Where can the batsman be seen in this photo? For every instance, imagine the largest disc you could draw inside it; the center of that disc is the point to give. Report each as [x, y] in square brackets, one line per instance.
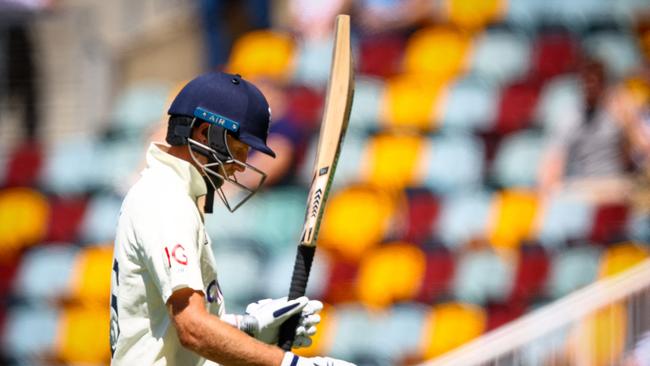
[166, 303]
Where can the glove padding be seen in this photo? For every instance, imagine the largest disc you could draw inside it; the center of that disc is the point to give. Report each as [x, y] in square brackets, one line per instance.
[291, 359]
[270, 314]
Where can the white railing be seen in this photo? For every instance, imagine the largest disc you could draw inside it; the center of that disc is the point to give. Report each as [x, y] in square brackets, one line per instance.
[600, 324]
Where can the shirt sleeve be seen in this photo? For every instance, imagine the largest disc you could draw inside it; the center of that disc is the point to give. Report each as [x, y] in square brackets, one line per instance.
[171, 248]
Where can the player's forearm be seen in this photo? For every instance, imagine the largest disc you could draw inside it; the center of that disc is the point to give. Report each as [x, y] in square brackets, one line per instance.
[218, 341]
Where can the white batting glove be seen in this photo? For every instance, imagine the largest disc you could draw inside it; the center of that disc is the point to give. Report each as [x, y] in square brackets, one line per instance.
[291, 359]
[264, 318]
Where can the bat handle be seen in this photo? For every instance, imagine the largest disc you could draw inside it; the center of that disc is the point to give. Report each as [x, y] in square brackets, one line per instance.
[301, 269]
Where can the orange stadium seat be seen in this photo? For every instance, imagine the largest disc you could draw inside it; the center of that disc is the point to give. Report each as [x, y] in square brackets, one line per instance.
[410, 102]
[83, 335]
[450, 325]
[601, 337]
[394, 159]
[262, 53]
[358, 218]
[513, 218]
[437, 52]
[24, 215]
[472, 15]
[90, 281]
[390, 273]
[621, 257]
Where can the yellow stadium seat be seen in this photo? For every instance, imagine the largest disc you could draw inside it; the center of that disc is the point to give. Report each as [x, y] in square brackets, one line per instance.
[24, 216]
[437, 52]
[451, 325]
[357, 218]
[390, 273]
[599, 338]
[91, 277]
[394, 160]
[512, 218]
[83, 336]
[412, 102]
[323, 339]
[472, 14]
[621, 257]
[262, 54]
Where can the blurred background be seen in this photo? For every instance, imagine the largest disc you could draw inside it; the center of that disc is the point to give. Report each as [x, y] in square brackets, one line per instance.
[496, 161]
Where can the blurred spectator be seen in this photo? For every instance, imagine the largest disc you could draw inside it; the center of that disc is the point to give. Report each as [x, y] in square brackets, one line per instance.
[383, 16]
[587, 150]
[640, 355]
[224, 20]
[315, 19]
[18, 73]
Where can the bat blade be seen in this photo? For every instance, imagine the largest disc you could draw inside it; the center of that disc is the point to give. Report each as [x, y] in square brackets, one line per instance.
[335, 122]
[340, 91]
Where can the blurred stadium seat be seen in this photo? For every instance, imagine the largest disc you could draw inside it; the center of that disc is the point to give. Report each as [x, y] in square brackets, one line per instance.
[30, 332]
[24, 216]
[533, 267]
[365, 111]
[45, 273]
[474, 91]
[410, 102]
[390, 273]
[100, 219]
[464, 216]
[438, 53]
[90, 280]
[394, 159]
[263, 53]
[516, 163]
[451, 163]
[358, 218]
[76, 326]
[449, 325]
[438, 275]
[572, 269]
[514, 214]
[24, 165]
[619, 257]
[381, 55]
[471, 285]
[501, 56]
[421, 215]
[468, 14]
[563, 218]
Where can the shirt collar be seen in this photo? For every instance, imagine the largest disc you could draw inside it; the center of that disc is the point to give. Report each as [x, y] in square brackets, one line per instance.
[190, 178]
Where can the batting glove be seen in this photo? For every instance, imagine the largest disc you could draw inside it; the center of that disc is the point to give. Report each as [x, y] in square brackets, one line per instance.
[291, 359]
[264, 318]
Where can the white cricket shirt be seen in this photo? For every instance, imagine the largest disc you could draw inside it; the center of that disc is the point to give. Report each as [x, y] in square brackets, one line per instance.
[161, 246]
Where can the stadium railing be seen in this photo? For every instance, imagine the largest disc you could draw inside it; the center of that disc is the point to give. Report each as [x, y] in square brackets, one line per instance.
[602, 323]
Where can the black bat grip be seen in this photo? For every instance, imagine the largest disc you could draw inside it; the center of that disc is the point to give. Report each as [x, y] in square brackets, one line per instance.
[301, 269]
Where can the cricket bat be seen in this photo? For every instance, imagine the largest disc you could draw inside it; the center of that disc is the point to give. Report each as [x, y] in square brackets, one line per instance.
[340, 90]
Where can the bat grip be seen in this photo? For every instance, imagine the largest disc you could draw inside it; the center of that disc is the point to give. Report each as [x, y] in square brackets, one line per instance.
[301, 269]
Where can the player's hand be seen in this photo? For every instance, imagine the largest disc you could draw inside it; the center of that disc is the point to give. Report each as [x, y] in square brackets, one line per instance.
[270, 314]
[292, 360]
